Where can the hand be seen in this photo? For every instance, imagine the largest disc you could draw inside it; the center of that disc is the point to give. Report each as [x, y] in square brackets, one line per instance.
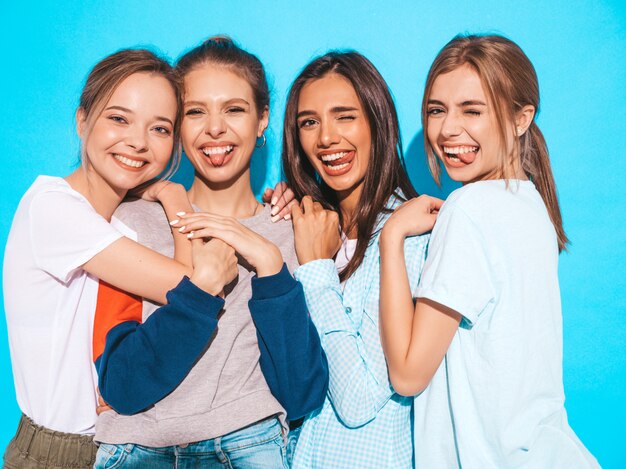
[316, 231]
[282, 199]
[214, 265]
[414, 217]
[263, 255]
[102, 406]
[155, 192]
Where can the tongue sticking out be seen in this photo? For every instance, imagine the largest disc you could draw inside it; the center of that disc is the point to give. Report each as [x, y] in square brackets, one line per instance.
[217, 159]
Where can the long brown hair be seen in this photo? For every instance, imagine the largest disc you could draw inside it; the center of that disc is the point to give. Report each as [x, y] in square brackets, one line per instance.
[385, 172]
[510, 82]
[107, 75]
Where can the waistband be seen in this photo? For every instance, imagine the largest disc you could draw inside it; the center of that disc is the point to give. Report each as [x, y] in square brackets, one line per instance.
[52, 447]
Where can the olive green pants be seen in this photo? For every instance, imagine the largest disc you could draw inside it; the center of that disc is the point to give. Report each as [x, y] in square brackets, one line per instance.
[36, 447]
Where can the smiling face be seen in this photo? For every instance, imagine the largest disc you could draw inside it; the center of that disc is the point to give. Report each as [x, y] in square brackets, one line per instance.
[221, 124]
[131, 140]
[461, 127]
[334, 132]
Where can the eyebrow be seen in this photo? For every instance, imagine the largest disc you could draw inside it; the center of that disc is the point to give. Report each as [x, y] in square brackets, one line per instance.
[334, 110]
[228, 101]
[124, 109]
[470, 102]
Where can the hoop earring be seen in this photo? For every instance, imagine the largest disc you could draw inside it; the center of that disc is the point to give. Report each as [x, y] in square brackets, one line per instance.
[262, 143]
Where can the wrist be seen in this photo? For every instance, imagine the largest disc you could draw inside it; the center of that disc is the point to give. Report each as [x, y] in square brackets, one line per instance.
[206, 281]
[271, 264]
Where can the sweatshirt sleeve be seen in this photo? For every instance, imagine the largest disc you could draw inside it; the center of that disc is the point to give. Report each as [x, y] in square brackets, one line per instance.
[292, 359]
[142, 363]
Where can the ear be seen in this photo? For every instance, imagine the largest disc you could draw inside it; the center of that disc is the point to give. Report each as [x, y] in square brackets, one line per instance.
[80, 122]
[523, 119]
[263, 121]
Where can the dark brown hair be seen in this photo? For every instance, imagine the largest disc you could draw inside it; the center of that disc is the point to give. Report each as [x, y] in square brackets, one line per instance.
[510, 82]
[222, 51]
[107, 75]
[385, 172]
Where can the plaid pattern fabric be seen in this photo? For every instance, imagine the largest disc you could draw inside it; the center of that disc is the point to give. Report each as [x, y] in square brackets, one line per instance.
[363, 423]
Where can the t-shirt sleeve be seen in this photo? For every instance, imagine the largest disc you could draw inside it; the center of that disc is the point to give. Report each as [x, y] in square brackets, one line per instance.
[458, 273]
[66, 232]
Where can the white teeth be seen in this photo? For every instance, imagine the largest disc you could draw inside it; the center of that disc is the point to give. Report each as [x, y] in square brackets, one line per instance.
[128, 161]
[461, 149]
[217, 150]
[340, 166]
[333, 156]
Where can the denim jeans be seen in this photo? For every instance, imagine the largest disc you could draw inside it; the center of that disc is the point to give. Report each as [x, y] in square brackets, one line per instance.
[259, 446]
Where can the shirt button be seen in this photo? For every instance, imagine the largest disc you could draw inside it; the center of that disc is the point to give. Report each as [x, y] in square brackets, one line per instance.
[348, 310]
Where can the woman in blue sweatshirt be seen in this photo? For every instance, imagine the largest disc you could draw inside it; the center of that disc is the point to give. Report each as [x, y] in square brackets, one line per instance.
[212, 377]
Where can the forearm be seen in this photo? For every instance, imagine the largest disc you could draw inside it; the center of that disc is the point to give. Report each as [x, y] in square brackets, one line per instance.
[396, 305]
[142, 363]
[174, 200]
[292, 358]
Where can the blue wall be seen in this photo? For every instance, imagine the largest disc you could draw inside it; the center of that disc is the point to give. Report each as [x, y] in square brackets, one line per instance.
[578, 48]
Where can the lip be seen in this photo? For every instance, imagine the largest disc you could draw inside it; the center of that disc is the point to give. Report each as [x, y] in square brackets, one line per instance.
[462, 158]
[341, 165]
[127, 167]
[227, 154]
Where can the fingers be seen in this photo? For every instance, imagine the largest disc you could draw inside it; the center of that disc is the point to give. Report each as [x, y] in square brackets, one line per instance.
[296, 212]
[282, 207]
[267, 195]
[279, 190]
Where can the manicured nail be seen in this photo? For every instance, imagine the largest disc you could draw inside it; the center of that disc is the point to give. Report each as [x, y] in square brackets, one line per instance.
[274, 200]
[190, 235]
[173, 222]
[181, 229]
[287, 217]
[275, 218]
[274, 210]
[180, 214]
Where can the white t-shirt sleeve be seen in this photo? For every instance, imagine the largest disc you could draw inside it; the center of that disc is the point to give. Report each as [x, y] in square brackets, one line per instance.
[457, 272]
[66, 232]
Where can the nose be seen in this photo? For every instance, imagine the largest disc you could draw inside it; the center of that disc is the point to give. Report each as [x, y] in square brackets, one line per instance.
[215, 126]
[451, 125]
[328, 134]
[137, 139]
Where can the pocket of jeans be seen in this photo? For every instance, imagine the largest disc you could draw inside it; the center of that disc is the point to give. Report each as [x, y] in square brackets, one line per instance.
[280, 442]
[110, 456]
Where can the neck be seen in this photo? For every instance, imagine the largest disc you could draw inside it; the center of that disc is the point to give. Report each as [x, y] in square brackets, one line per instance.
[231, 199]
[102, 197]
[348, 203]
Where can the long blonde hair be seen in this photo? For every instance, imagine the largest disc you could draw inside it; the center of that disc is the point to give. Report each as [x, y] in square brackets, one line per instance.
[510, 82]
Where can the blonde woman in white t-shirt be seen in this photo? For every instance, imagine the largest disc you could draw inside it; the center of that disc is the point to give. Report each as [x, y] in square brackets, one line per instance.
[64, 238]
[482, 344]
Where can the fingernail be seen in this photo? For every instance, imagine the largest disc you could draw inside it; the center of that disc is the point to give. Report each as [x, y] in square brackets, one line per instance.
[274, 200]
[181, 229]
[288, 216]
[180, 214]
[173, 222]
[190, 235]
[275, 218]
[274, 210]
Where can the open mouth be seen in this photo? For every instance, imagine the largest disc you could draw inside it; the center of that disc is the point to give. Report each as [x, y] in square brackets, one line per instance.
[218, 156]
[338, 162]
[460, 155]
[129, 163]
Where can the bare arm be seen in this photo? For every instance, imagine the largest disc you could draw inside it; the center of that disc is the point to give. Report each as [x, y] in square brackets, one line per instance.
[414, 338]
[139, 270]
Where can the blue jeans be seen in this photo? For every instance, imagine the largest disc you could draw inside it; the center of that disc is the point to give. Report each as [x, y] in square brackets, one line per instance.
[259, 446]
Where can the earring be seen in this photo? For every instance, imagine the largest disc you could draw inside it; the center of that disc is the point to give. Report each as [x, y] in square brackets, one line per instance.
[262, 143]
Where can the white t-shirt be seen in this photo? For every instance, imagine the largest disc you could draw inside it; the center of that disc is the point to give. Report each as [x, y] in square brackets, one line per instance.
[493, 257]
[345, 253]
[50, 303]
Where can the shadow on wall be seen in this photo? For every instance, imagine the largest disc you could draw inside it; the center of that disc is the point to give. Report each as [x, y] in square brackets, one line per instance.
[258, 170]
[417, 167]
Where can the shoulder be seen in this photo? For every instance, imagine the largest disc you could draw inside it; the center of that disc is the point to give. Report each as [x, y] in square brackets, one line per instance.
[134, 210]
